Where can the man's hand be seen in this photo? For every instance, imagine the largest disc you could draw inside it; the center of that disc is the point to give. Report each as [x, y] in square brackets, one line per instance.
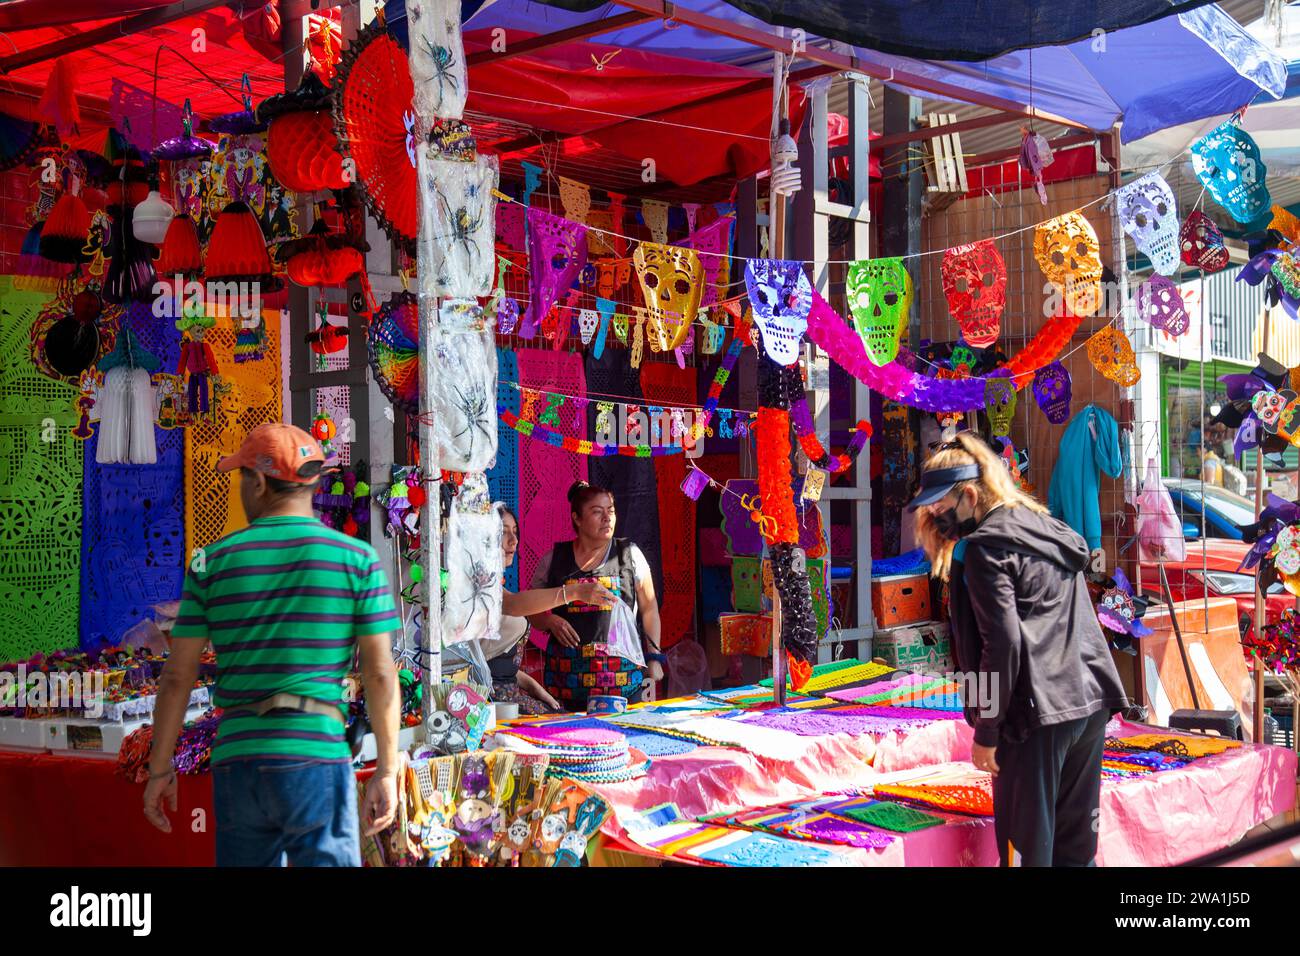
[654, 671]
[379, 806]
[562, 631]
[984, 758]
[156, 791]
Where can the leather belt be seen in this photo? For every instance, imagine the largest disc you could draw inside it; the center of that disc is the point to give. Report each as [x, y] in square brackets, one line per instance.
[285, 701]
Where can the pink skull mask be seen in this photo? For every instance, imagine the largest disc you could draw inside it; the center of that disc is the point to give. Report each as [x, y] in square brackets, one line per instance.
[975, 283]
[1161, 304]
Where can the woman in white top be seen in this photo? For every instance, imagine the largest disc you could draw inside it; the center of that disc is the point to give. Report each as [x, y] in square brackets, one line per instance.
[510, 683]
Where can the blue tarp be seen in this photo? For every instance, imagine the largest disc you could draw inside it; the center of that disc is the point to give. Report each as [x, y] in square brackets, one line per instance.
[1160, 74]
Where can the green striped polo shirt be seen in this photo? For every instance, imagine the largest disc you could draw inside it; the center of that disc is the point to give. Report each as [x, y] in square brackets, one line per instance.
[283, 602]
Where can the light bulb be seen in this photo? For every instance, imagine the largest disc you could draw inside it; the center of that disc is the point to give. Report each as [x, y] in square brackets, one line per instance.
[151, 218]
[1216, 408]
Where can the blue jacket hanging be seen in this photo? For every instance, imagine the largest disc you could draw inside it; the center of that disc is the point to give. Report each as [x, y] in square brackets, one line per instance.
[1089, 446]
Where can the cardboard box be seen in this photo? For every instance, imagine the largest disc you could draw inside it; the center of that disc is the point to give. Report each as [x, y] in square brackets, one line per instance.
[900, 599]
[914, 647]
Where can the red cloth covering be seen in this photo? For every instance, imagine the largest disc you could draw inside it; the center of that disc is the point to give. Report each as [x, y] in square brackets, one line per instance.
[1071, 163]
[75, 811]
[632, 83]
[661, 382]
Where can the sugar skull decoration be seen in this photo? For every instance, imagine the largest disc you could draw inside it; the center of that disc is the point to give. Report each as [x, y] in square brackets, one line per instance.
[1149, 214]
[671, 281]
[1202, 243]
[999, 404]
[975, 284]
[781, 296]
[1267, 405]
[962, 359]
[507, 315]
[1069, 255]
[1286, 270]
[1111, 353]
[1228, 163]
[1288, 423]
[880, 296]
[588, 323]
[1052, 389]
[1161, 305]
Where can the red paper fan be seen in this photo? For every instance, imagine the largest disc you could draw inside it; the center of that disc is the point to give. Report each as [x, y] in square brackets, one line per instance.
[375, 123]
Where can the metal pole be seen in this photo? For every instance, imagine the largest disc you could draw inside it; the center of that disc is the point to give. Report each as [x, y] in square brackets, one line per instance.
[1257, 665]
[777, 245]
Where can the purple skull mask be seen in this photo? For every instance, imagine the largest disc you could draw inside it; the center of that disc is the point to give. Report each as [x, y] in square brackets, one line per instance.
[1149, 214]
[1161, 304]
[1052, 392]
[781, 297]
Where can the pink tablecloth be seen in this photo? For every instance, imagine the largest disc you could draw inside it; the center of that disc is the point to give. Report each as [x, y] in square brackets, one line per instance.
[1157, 820]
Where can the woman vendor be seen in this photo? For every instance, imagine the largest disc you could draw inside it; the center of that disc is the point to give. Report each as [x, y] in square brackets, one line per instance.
[598, 649]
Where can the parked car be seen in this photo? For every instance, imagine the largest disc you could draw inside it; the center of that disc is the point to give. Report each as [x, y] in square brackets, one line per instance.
[1216, 575]
[1224, 510]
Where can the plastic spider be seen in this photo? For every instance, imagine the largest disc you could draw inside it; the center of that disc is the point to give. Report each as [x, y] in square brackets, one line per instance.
[444, 61]
[473, 404]
[464, 228]
[480, 580]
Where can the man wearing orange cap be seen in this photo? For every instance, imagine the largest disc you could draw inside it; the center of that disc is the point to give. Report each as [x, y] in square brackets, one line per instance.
[286, 602]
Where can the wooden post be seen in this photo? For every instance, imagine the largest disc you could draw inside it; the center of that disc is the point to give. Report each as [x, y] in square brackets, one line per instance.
[1257, 666]
[776, 205]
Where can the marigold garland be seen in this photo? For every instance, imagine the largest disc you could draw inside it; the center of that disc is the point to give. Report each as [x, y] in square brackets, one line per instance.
[774, 474]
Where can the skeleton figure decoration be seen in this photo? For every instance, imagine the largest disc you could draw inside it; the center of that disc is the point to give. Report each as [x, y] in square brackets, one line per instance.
[456, 255]
[1052, 389]
[781, 297]
[465, 389]
[1149, 214]
[1111, 352]
[1228, 164]
[437, 59]
[880, 296]
[471, 609]
[975, 284]
[1202, 243]
[671, 281]
[1161, 304]
[1067, 251]
[999, 404]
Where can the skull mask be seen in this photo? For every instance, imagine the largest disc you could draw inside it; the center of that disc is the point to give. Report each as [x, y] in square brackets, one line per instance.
[1202, 243]
[1161, 304]
[1286, 269]
[1111, 353]
[1268, 407]
[1288, 422]
[672, 281]
[962, 359]
[975, 283]
[781, 296]
[714, 335]
[588, 322]
[1067, 251]
[507, 315]
[1149, 214]
[999, 404]
[880, 295]
[1052, 392]
[1228, 163]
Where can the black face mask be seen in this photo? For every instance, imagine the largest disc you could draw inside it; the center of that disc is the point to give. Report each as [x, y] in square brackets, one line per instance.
[953, 528]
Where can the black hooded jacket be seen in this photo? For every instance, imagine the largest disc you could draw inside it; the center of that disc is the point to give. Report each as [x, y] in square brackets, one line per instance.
[1022, 619]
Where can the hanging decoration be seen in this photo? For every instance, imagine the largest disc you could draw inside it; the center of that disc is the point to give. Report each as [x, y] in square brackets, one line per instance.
[1035, 154]
[588, 322]
[671, 280]
[1148, 212]
[471, 609]
[237, 250]
[464, 388]
[301, 145]
[1069, 255]
[1228, 163]
[185, 146]
[322, 257]
[66, 229]
[375, 126]
[713, 242]
[975, 284]
[638, 338]
[605, 308]
[1161, 304]
[437, 58]
[65, 338]
[781, 297]
[180, 254]
[654, 213]
[999, 404]
[576, 199]
[1111, 353]
[880, 296]
[1052, 389]
[557, 253]
[1279, 648]
[392, 342]
[460, 205]
[1202, 243]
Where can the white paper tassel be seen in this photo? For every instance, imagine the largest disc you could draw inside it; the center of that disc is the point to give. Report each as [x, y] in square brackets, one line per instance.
[144, 450]
[113, 424]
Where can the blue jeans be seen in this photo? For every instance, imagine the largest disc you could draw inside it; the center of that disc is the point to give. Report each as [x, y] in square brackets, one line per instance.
[268, 809]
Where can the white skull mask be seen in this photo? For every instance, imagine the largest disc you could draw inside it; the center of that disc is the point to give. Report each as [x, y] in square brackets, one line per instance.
[781, 297]
[588, 322]
[1149, 214]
